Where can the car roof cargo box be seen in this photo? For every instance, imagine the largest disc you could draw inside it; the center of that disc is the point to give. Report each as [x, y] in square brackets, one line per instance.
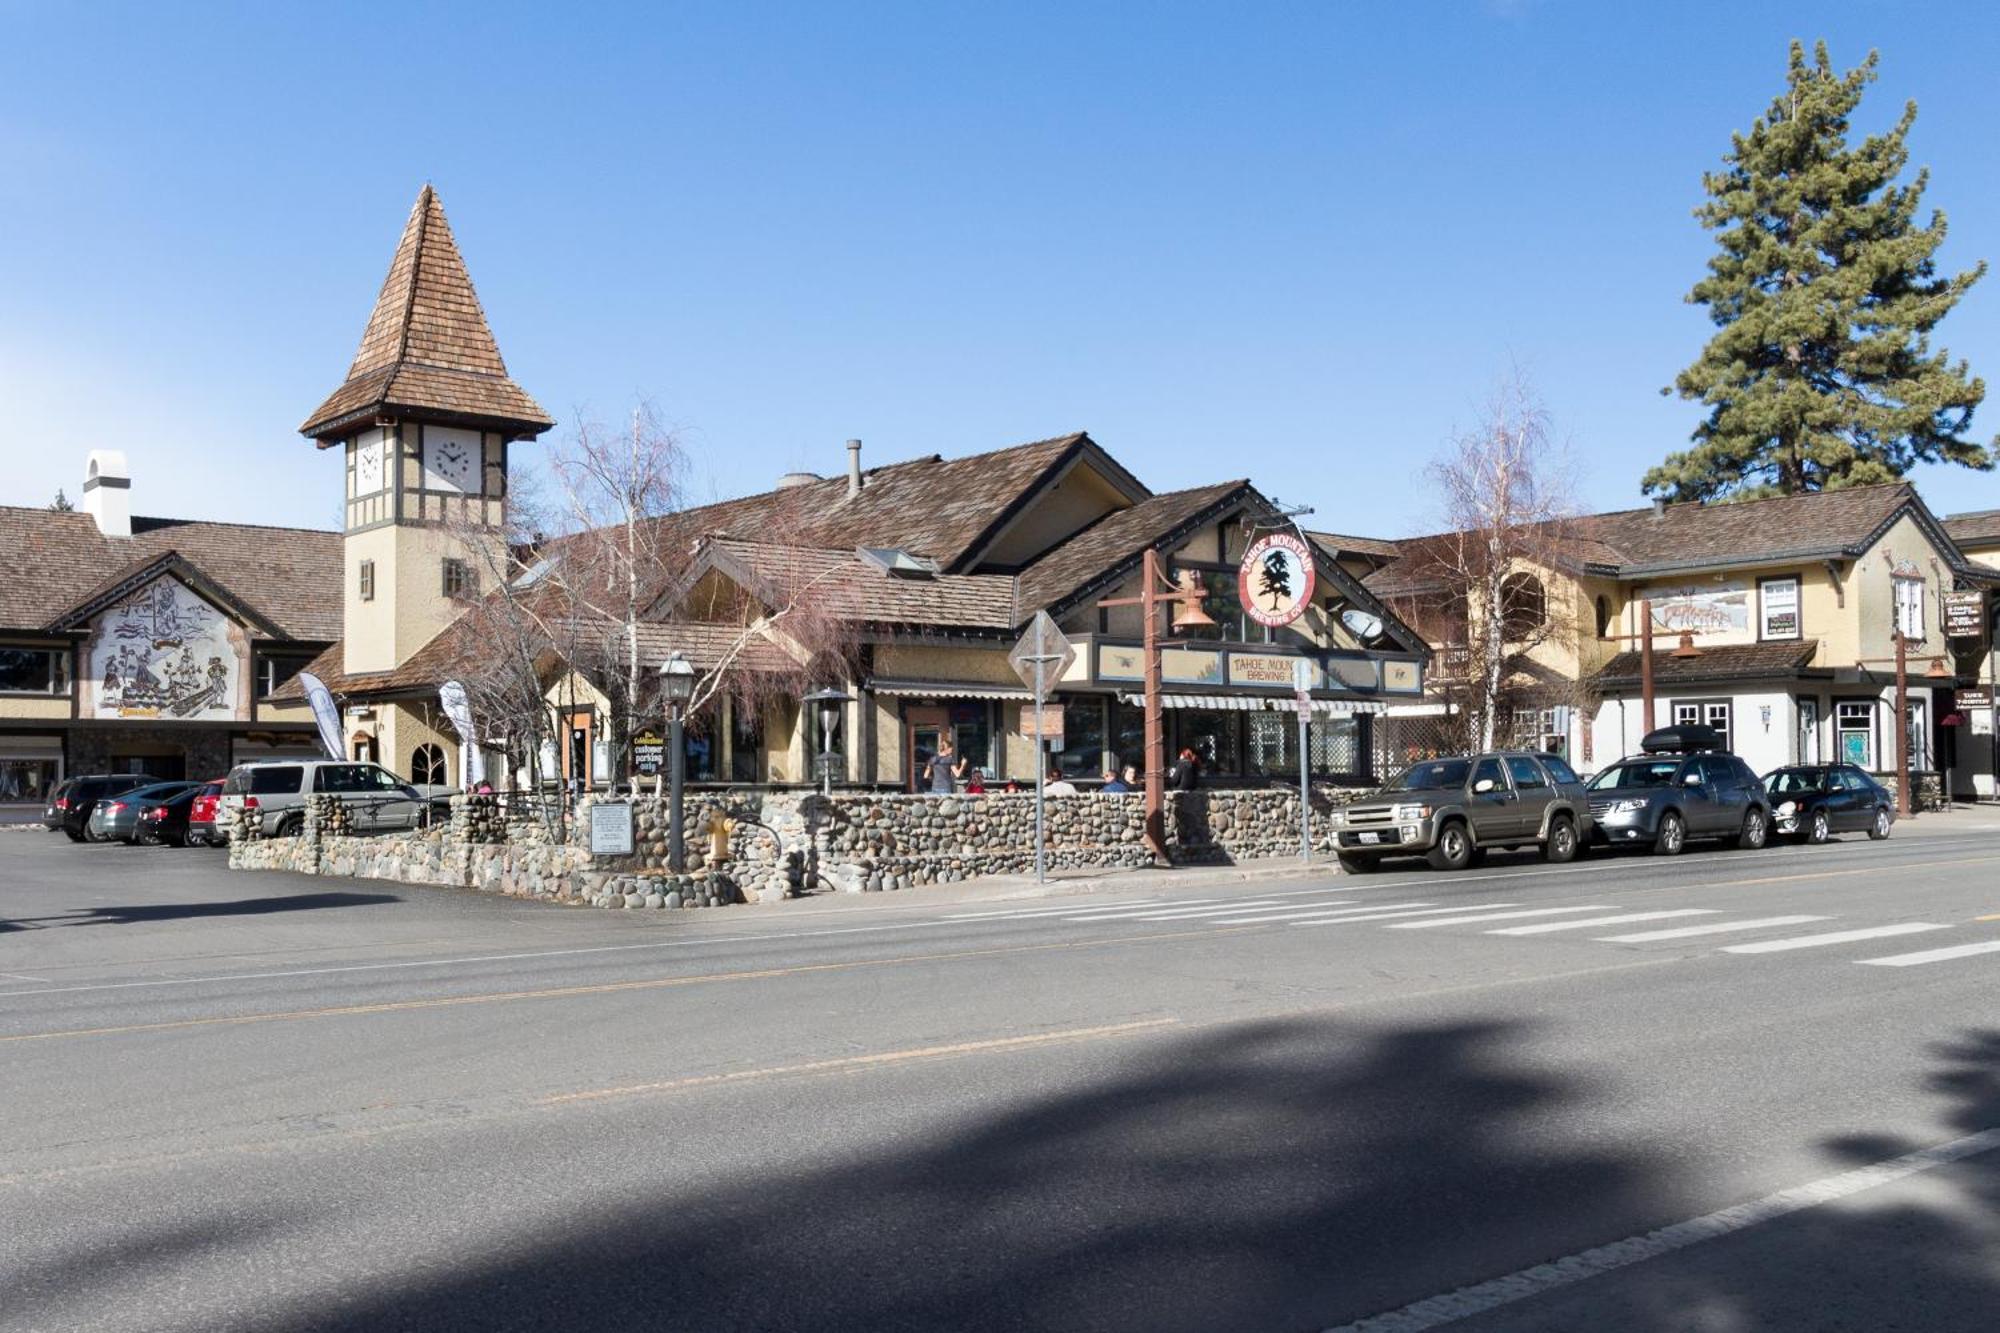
[1686, 739]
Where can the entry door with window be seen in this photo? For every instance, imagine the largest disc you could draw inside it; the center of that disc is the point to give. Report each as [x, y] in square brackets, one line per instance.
[1808, 740]
[576, 751]
[923, 728]
[1854, 734]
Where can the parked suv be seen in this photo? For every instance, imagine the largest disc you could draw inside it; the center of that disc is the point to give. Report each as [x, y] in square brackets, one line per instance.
[275, 792]
[1451, 811]
[76, 799]
[1682, 785]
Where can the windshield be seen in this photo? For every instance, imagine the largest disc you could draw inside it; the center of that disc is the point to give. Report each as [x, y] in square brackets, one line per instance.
[1432, 775]
[1637, 773]
[1793, 781]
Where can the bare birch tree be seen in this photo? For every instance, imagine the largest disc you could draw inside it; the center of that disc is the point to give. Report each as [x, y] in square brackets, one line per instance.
[1496, 585]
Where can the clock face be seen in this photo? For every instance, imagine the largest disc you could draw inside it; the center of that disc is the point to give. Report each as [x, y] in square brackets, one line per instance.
[368, 468]
[451, 460]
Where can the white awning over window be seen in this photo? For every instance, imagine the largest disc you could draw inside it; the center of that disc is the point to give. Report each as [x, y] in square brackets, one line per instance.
[948, 689]
[1257, 703]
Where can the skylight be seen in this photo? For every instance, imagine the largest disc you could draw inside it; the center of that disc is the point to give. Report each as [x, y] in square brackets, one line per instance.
[898, 563]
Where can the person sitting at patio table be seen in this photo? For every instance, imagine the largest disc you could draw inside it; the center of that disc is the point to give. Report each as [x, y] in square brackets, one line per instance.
[1112, 782]
[1058, 785]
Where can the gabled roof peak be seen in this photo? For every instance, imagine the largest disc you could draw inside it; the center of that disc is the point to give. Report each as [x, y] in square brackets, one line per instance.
[427, 350]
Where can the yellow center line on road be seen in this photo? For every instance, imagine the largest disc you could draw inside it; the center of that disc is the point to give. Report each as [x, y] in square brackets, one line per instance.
[865, 1061]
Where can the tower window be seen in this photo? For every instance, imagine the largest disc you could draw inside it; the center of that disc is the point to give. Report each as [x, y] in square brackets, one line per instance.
[367, 580]
[458, 579]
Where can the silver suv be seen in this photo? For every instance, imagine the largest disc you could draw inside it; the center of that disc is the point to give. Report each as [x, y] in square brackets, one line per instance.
[1451, 811]
[274, 792]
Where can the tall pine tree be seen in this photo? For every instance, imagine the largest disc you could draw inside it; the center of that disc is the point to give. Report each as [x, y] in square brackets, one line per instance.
[1820, 374]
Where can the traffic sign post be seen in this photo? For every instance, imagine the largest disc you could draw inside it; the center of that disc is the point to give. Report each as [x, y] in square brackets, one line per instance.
[1302, 680]
[1042, 647]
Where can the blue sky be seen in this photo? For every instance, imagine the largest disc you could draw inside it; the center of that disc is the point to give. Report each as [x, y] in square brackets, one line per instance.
[1294, 242]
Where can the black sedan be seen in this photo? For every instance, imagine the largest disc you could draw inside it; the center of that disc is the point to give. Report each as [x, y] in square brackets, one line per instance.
[1812, 802]
[163, 814]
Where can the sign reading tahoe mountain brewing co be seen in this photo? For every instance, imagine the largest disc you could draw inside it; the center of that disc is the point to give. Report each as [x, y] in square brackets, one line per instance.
[1965, 615]
[1275, 580]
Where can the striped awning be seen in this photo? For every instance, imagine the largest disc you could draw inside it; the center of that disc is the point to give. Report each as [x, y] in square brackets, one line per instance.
[949, 689]
[1256, 703]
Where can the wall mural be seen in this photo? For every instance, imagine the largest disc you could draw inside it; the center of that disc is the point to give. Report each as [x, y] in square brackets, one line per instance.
[163, 652]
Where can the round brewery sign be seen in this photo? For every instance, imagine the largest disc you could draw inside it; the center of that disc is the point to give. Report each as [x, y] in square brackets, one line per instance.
[1275, 581]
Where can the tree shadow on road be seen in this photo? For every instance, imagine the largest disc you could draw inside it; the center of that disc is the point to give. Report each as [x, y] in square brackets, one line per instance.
[1260, 1177]
[143, 912]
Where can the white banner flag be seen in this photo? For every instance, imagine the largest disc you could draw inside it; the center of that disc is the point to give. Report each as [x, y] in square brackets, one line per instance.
[324, 713]
[457, 707]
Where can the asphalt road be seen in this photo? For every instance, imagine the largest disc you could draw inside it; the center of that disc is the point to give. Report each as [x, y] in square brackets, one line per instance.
[1406, 1100]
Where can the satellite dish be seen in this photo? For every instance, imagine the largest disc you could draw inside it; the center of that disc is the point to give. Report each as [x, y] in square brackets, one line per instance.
[1363, 625]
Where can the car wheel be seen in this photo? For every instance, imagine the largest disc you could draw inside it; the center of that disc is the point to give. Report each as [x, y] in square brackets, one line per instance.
[291, 825]
[1819, 830]
[1453, 850]
[1880, 828]
[1359, 865]
[73, 835]
[1754, 830]
[1672, 836]
[1561, 845]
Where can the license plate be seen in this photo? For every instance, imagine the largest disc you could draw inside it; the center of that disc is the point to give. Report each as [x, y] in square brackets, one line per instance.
[1368, 837]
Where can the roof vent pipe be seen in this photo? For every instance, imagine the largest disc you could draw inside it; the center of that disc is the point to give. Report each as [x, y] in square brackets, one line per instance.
[854, 467]
[1659, 506]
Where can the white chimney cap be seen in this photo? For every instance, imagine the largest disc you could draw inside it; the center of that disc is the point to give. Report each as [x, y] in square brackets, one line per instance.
[107, 492]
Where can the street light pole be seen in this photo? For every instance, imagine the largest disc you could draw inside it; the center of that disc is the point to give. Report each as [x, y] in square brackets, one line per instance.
[676, 687]
[1903, 805]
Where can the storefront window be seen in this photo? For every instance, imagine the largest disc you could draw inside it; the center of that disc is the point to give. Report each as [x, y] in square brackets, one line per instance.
[1273, 740]
[1335, 744]
[1083, 739]
[33, 671]
[1128, 736]
[1215, 737]
[698, 755]
[1854, 727]
[972, 733]
[27, 780]
[746, 743]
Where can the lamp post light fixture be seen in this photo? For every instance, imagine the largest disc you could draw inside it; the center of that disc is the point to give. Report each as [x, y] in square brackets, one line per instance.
[829, 701]
[676, 688]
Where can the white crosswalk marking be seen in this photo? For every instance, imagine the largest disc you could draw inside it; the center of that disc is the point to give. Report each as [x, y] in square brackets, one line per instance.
[1550, 927]
[1330, 919]
[1501, 916]
[1836, 937]
[1290, 910]
[1933, 955]
[1712, 928]
[1175, 913]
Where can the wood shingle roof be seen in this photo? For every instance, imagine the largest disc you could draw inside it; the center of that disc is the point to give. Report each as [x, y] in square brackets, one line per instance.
[427, 350]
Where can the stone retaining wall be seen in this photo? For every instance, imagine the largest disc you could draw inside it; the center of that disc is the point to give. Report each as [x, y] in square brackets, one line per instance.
[780, 844]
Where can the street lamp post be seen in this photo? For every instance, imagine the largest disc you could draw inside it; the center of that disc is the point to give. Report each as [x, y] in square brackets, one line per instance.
[1185, 597]
[830, 701]
[676, 687]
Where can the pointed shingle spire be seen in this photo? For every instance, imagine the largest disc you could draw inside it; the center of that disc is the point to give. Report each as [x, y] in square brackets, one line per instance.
[427, 351]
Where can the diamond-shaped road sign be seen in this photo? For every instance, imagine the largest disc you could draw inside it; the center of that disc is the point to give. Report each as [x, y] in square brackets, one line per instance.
[1041, 645]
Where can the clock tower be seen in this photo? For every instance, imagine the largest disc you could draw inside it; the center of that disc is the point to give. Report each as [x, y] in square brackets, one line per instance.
[423, 422]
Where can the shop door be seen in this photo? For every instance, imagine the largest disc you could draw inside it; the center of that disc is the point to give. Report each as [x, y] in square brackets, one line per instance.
[923, 728]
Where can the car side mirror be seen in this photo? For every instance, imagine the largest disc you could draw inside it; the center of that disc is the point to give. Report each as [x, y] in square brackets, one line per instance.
[1483, 786]
[1691, 780]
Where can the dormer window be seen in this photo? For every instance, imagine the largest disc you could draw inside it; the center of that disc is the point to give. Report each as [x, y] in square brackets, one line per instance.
[898, 563]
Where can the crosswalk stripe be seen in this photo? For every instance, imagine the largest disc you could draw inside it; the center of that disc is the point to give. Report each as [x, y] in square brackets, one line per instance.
[1331, 920]
[1712, 928]
[1836, 937]
[1066, 908]
[1550, 927]
[1933, 955]
[1500, 916]
[1174, 913]
[1291, 910]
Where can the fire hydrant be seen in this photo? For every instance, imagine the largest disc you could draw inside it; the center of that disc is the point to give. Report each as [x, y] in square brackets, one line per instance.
[720, 826]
